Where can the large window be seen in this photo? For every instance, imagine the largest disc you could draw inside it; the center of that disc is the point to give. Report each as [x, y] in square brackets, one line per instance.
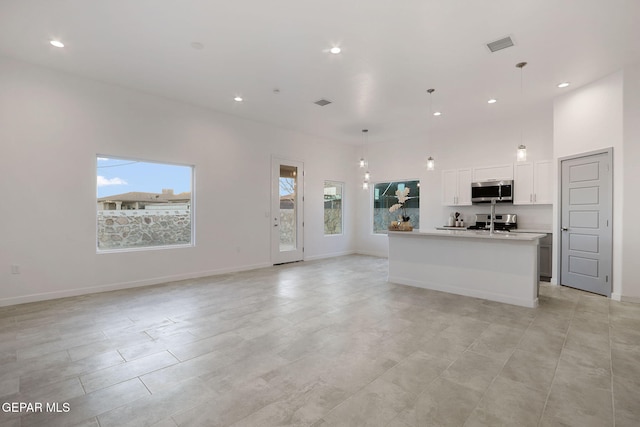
[384, 196]
[333, 192]
[143, 204]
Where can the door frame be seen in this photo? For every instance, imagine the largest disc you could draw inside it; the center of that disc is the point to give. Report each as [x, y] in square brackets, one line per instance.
[558, 230]
[300, 208]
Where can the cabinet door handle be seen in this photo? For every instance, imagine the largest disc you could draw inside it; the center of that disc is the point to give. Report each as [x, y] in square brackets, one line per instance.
[531, 198]
[535, 198]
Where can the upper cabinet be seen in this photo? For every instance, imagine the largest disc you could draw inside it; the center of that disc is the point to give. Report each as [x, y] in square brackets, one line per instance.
[493, 173]
[533, 183]
[456, 187]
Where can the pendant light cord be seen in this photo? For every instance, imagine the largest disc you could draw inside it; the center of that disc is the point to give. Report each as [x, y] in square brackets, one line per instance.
[521, 106]
[521, 65]
[365, 134]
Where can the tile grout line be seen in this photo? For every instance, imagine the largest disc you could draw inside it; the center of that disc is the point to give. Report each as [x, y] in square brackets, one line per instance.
[613, 402]
[555, 371]
[357, 391]
[417, 395]
[501, 369]
[572, 318]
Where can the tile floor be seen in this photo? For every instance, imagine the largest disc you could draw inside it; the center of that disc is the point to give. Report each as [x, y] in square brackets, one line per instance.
[322, 343]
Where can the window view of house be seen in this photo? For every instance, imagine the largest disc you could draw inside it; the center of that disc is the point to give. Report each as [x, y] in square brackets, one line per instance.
[333, 207]
[142, 204]
[384, 196]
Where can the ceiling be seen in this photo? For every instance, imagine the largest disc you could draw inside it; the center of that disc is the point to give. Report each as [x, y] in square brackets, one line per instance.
[275, 55]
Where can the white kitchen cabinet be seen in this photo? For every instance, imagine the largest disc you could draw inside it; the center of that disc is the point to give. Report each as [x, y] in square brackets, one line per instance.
[533, 183]
[493, 173]
[543, 182]
[456, 187]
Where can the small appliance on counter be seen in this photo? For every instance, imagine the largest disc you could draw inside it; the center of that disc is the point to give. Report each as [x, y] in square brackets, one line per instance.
[455, 221]
[502, 222]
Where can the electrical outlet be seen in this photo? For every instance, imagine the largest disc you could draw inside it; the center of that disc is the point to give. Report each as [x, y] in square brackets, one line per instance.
[15, 269]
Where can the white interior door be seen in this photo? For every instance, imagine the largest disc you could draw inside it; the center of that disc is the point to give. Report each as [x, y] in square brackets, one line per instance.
[586, 236]
[287, 197]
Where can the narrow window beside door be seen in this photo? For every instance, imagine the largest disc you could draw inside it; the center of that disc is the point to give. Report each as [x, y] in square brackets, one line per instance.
[333, 192]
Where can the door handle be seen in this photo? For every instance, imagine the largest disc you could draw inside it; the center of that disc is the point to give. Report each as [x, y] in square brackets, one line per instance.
[565, 229]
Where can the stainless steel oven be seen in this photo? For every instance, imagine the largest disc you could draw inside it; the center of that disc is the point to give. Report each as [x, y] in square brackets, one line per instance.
[486, 191]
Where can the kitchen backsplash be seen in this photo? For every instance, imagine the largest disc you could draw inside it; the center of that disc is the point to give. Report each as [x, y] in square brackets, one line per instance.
[529, 216]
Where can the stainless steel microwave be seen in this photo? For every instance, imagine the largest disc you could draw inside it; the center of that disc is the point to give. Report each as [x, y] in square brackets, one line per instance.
[486, 191]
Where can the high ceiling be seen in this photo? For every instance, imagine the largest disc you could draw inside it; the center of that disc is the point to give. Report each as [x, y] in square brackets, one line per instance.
[274, 53]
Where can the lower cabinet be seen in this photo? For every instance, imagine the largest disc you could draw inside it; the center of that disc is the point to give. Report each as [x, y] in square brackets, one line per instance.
[545, 257]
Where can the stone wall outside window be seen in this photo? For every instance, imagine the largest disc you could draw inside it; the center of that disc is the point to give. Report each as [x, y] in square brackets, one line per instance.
[143, 228]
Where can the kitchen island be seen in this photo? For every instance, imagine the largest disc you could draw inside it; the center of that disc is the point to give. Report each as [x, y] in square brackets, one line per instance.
[496, 266]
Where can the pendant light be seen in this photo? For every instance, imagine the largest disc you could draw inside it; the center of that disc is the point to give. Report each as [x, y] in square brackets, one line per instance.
[431, 163]
[521, 154]
[363, 162]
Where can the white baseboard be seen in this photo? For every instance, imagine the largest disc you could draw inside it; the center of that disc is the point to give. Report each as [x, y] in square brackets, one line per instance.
[373, 253]
[124, 285]
[616, 296]
[553, 281]
[330, 255]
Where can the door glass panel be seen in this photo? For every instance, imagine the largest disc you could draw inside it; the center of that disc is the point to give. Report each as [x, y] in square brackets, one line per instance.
[288, 208]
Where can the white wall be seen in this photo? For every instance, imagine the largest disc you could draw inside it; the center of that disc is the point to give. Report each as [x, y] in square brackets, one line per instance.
[630, 286]
[586, 119]
[52, 126]
[488, 144]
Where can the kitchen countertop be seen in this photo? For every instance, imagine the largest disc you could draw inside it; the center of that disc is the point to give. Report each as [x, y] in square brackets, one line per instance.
[473, 234]
[541, 230]
[535, 230]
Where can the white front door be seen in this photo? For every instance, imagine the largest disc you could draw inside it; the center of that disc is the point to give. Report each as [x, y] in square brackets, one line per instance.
[287, 196]
[586, 223]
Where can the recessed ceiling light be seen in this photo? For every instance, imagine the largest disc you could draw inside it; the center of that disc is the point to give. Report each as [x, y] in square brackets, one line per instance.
[563, 84]
[437, 113]
[492, 101]
[335, 50]
[238, 99]
[56, 43]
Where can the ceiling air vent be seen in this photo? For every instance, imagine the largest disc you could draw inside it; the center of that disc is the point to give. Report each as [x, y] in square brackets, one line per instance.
[500, 44]
[322, 102]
